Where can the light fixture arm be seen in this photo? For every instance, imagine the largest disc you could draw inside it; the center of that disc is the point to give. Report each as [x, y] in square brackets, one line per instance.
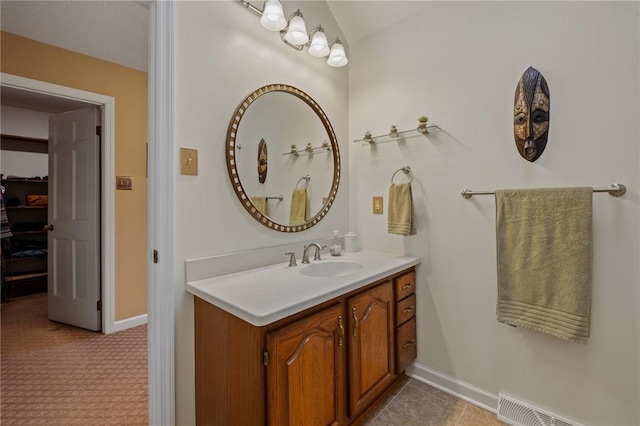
[291, 45]
[299, 47]
[334, 41]
[252, 8]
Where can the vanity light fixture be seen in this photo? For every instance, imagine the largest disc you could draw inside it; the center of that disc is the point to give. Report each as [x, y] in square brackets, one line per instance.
[297, 29]
[337, 57]
[293, 32]
[273, 16]
[319, 46]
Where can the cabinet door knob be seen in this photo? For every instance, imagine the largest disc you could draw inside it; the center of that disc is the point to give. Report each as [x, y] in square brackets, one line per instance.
[47, 228]
[341, 327]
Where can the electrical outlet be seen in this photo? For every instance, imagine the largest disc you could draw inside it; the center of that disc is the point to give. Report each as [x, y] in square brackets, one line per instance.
[377, 205]
[124, 183]
[188, 161]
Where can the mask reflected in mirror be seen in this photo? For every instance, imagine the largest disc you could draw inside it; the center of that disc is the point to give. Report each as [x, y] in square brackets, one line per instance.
[262, 161]
[531, 115]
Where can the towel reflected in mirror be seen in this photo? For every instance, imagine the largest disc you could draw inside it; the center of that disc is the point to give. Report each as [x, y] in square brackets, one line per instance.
[260, 203]
[298, 213]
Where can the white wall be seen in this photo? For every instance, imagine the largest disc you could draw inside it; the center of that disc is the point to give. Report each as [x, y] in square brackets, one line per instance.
[29, 123]
[459, 63]
[222, 55]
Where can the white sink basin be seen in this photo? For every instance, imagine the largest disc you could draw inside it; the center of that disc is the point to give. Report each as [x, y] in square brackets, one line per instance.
[330, 269]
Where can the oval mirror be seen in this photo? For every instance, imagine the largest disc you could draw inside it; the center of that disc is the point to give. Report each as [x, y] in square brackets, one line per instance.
[283, 158]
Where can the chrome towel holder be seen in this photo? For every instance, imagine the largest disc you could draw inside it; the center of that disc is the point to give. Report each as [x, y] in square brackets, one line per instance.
[305, 178]
[615, 190]
[406, 170]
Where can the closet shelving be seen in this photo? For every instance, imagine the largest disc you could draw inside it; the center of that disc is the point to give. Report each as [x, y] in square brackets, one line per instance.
[24, 220]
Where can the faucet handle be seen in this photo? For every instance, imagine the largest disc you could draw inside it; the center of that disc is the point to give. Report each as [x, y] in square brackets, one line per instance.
[317, 255]
[292, 258]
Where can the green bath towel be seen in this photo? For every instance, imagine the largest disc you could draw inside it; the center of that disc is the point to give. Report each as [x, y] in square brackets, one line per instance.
[544, 253]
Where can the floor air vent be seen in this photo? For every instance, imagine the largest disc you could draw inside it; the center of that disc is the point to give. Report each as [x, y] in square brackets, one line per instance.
[517, 413]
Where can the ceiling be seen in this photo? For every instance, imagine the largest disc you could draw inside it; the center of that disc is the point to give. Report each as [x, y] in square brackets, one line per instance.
[117, 31]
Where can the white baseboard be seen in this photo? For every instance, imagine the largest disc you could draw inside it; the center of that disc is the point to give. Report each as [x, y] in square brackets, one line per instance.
[130, 323]
[463, 390]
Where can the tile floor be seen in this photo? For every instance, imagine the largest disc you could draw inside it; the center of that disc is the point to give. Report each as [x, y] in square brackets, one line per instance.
[417, 404]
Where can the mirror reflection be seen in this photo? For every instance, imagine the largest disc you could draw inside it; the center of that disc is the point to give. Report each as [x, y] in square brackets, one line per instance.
[283, 158]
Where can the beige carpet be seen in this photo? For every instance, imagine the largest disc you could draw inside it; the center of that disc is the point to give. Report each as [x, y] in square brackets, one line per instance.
[56, 374]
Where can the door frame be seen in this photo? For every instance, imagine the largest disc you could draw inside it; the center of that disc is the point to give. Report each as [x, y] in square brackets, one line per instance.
[161, 280]
[107, 176]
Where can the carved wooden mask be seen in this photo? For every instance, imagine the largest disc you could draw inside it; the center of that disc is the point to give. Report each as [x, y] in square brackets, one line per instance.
[531, 114]
[262, 161]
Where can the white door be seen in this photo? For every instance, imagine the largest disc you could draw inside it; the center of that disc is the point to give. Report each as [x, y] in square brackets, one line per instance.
[74, 218]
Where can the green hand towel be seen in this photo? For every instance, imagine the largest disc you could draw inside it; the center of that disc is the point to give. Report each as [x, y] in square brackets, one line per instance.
[400, 216]
[298, 211]
[544, 254]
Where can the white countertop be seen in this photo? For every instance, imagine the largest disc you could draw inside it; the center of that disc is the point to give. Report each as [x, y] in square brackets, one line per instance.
[264, 295]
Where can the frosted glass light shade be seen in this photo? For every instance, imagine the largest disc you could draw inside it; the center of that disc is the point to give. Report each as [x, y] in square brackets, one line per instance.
[337, 57]
[297, 32]
[319, 45]
[273, 16]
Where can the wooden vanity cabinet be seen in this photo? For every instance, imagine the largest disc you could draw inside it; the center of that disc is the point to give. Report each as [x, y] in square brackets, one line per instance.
[305, 371]
[371, 354]
[326, 365]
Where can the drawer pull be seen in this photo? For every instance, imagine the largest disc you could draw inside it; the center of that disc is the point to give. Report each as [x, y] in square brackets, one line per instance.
[407, 310]
[355, 324]
[409, 343]
[407, 285]
[341, 327]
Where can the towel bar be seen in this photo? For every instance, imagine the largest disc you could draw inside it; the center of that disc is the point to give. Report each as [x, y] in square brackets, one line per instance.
[279, 198]
[615, 190]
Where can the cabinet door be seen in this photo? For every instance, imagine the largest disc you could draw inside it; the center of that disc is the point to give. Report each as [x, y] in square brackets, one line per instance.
[371, 354]
[305, 373]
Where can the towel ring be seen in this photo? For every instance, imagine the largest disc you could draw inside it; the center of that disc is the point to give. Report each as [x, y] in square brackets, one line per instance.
[306, 178]
[404, 169]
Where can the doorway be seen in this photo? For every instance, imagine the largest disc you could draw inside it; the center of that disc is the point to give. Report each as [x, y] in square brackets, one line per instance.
[38, 91]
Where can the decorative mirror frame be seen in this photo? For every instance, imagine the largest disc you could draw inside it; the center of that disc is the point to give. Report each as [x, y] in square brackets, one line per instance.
[233, 172]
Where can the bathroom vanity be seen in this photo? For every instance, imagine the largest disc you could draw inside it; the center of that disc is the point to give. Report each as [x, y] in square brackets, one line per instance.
[317, 350]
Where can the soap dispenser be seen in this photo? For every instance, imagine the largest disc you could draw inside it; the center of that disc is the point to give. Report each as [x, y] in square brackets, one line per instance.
[336, 248]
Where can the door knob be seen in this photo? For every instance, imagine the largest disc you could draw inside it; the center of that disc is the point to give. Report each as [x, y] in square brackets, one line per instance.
[48, 228]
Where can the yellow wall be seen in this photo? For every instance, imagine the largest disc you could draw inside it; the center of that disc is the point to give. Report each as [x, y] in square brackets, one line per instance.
[38, 61]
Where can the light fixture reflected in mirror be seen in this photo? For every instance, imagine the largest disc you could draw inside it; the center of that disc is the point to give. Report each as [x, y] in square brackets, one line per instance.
[273, 16]
[337, 57]
[293, 32]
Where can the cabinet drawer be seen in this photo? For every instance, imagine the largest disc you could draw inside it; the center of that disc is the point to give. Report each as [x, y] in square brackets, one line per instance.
[405, 285]
[406, 345]
[405, 309]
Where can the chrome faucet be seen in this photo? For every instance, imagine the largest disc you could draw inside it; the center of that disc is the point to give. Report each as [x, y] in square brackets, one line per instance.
[305, 253]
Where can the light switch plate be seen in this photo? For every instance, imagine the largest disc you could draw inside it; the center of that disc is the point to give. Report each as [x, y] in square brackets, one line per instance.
[188, 161]
[124, 183]
[377, 205]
